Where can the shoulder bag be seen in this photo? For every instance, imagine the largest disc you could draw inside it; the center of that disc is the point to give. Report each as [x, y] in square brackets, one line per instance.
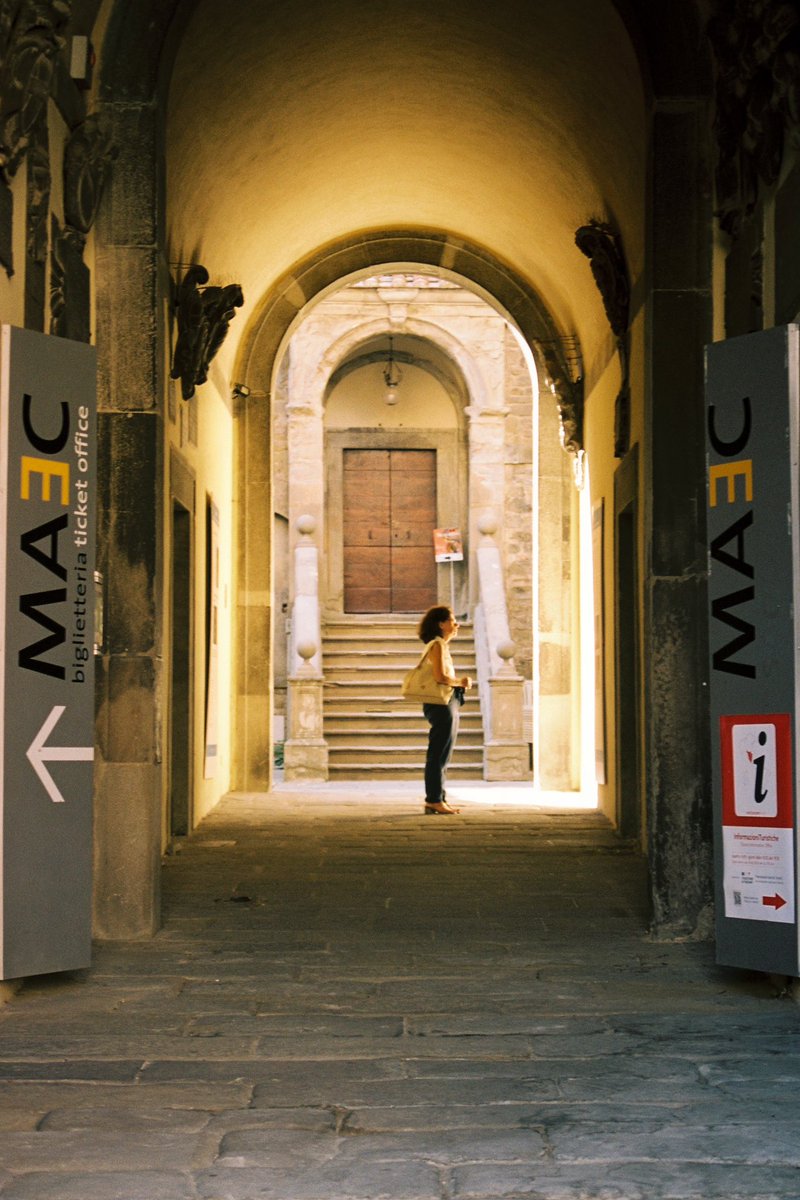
[419, 683]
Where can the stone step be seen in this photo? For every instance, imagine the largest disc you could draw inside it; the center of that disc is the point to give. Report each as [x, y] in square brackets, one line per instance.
[369, 673]
[413, 757]
[378, 771]
[390, 725]
[354, 630]
[349, 740]
[394, 708]
[399, 653]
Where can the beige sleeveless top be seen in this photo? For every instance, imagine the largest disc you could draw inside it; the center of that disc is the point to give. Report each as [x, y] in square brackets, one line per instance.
[447, 662]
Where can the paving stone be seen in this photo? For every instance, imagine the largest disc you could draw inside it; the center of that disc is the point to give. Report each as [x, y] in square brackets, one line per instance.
[71, 1069]
[126, 1121]
[317, 1120]
[106, 1185]
[633, 1181]
[747, 1142]
[302, 1076]
[135, 1049]
[97, 1150]
[404, 1049]
[425, 1117]
[755, 1078]
[279, 1150]
[193, 1094]
[360, 1094]
[296, 1026]
[361, 1180]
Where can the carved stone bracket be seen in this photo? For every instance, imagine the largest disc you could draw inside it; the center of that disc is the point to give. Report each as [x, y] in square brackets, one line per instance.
[204, 314]
[603, 247]
[88, 158]
[756, 49]
[39, 185]
[29, 42]
[564, 378]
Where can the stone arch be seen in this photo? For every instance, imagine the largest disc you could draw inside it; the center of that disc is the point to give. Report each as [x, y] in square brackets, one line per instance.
[260, 353]
[134, 66]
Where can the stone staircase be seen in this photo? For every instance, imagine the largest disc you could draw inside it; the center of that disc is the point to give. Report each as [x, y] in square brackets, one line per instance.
[371, 731]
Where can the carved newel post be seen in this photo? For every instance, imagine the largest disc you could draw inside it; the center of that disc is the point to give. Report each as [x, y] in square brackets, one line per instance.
[505, 753]
[305, 752]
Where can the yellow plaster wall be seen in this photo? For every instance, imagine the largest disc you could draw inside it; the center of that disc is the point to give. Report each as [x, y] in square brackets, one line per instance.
[210, 460]
[357, 402]
[599, 441]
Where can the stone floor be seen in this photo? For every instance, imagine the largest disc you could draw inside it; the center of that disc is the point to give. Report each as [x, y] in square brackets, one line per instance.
[351, 1000]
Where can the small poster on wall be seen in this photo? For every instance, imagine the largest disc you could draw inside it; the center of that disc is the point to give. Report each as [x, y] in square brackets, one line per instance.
[448, 545]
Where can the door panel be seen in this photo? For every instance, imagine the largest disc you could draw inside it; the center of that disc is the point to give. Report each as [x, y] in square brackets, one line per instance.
[389, 512]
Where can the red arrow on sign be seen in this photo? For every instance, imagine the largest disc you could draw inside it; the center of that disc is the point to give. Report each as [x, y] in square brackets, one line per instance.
[775, 901]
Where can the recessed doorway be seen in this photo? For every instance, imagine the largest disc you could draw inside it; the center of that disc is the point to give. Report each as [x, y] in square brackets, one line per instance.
[388, 518]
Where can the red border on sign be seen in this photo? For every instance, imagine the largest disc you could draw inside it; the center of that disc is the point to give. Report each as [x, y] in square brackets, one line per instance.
[783, 764]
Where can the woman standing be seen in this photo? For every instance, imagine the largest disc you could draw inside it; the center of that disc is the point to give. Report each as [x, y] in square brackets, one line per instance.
[436, 629]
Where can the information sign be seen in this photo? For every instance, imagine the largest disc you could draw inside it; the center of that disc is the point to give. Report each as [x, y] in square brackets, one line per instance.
[753, 519]
[47, 537]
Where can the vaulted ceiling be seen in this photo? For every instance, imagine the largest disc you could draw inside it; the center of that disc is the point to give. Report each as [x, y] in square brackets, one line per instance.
[290, 127]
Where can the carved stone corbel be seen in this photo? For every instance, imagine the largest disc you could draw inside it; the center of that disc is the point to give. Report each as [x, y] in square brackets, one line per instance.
[39, 185]
[29, 43]
[756, 49]
[204, 315]
[88, 157]
[564, 379]
[603, 247]
[31, 29]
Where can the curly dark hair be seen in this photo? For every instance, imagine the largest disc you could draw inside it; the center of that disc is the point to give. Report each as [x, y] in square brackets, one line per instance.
[434, 617]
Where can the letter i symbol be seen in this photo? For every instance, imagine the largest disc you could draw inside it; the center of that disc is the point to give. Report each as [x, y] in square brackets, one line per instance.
[760, 796]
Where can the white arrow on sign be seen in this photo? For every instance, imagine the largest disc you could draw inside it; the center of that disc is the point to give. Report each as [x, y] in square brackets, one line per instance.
[38, 753]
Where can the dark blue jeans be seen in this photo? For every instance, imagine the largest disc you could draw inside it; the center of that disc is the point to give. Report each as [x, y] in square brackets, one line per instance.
[443, 720]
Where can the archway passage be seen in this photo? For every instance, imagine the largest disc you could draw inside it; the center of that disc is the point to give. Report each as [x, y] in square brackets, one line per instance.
[497, 135]
[388, 513]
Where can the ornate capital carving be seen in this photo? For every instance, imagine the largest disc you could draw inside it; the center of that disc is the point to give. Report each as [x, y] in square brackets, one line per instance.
[564, 378]
[204, 314]
[603, 247]
[756, 48]
[30, 32]
[69, 284]
[88, 158]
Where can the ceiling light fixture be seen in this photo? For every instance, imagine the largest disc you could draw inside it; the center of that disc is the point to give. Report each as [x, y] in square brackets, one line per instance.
[391, 376]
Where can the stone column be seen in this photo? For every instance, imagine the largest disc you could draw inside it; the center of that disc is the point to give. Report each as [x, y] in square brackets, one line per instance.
[252, 765]
[305, 433]
[680, 322]
[487, 474]
[130, 690]
[305, 752]
[505, 755]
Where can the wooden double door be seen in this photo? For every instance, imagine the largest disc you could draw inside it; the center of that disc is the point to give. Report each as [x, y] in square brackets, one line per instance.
[389, 514]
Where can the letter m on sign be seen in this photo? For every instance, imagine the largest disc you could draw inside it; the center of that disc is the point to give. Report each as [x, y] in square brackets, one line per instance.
[722, 659]
[29, 656]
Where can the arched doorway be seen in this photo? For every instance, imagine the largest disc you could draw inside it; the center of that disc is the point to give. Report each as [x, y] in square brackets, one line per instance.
[302, 250]
[468, 432]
